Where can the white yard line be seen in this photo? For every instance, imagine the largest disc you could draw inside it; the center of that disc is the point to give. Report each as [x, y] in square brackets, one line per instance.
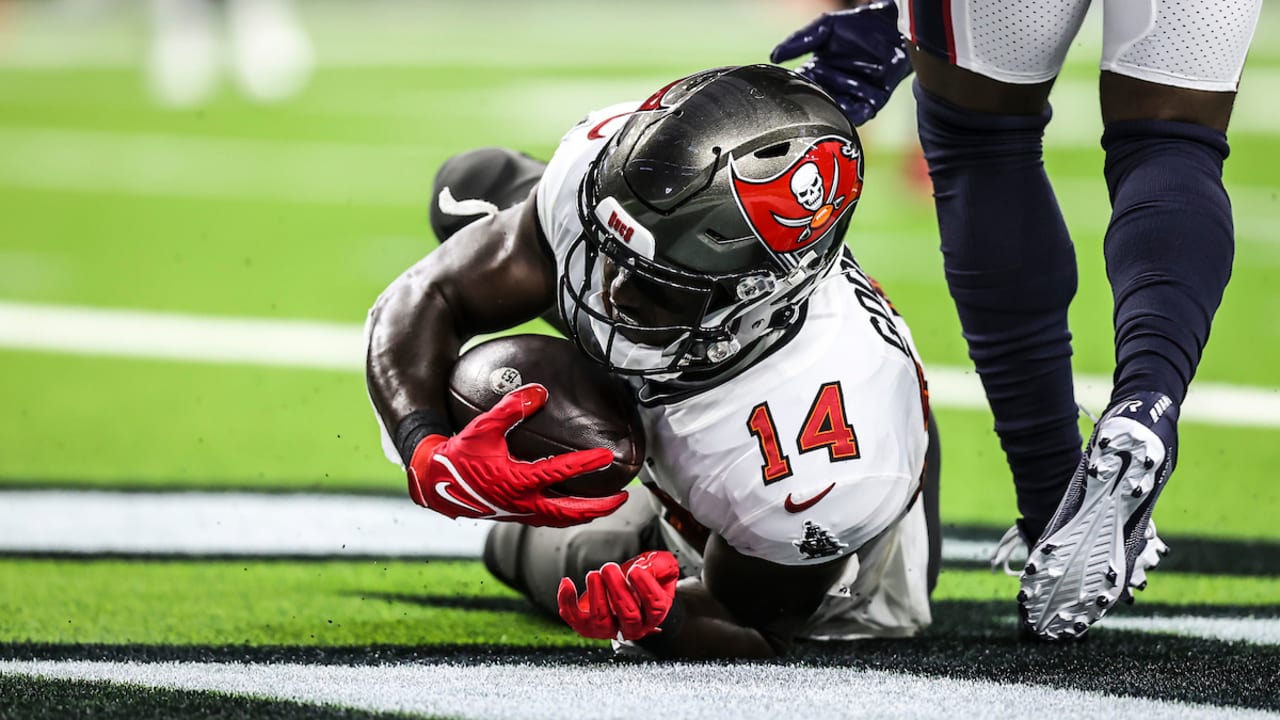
[240, 524]
[172, 336]
[1256, 631]
[335, 346]
[91, 522]
[686, 690]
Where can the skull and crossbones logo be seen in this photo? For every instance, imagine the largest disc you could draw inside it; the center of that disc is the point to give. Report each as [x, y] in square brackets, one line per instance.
[807, 186]
[810, 190]
[791, 208]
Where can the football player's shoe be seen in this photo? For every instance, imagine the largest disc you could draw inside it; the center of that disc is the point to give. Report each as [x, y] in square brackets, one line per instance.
[1100, 543]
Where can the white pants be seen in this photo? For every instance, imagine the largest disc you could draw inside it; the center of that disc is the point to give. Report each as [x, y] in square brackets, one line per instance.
[1194, 44]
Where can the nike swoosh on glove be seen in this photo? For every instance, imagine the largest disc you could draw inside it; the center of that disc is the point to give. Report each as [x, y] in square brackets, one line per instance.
[624, 602]
[473, 475]
[858, 56]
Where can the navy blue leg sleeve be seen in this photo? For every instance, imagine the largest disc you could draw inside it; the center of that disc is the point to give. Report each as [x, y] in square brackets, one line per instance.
[1169, 249]
[1011, 269]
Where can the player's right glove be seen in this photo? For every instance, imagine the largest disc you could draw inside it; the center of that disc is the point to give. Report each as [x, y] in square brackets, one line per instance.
[626, 602]
[858, 56]
[473, 475]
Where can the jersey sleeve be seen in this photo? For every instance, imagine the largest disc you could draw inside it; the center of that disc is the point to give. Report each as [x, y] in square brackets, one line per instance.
[557, 193]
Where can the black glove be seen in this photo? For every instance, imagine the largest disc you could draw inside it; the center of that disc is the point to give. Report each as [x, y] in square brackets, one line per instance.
[858, 56]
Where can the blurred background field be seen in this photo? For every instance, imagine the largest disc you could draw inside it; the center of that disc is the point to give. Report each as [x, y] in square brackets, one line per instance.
[303, 208]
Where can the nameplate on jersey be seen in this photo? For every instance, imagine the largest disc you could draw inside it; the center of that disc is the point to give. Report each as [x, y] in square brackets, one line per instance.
[624, 228]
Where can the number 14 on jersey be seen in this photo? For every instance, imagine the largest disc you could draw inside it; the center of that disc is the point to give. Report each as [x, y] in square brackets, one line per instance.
[825, 426]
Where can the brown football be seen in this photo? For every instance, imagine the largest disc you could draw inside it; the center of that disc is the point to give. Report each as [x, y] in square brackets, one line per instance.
[586, 406]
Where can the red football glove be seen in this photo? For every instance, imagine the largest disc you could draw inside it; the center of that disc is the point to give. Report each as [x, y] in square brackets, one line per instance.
[627, 602]
[472, 474]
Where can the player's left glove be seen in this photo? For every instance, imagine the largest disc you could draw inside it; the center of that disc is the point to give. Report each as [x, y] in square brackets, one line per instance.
[858, 56]
[625, 602]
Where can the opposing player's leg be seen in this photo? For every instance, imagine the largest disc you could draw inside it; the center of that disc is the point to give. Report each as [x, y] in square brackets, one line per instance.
[1010, 264]
[472, 184]
[532, 560]
[1169, 77]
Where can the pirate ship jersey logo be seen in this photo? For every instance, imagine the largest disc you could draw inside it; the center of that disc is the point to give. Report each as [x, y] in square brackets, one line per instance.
[795, 207]
[818, 542]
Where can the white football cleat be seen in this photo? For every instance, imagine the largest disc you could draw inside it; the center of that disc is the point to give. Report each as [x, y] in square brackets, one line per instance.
[1100, 543]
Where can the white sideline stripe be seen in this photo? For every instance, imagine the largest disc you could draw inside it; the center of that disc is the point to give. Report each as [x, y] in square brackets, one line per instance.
[975, 551]
[1257, 631]
[209, 523]
[172, 336]
[697, 691]
[247, 524]
[336, 346]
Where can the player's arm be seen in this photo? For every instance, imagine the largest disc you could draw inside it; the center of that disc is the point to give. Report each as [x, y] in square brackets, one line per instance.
[741, 607]
[493, 274]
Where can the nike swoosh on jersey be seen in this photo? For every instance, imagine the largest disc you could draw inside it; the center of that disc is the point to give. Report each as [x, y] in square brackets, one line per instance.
[794, 507]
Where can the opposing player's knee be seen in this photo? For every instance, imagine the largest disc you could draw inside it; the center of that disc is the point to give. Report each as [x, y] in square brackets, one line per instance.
[499, 176]
[1127, 98]
[971, 91]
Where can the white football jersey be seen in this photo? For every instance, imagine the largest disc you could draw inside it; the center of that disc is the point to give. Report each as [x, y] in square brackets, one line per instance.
[813, 451]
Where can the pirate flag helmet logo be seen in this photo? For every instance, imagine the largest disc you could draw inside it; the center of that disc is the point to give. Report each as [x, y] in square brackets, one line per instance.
[798, 205]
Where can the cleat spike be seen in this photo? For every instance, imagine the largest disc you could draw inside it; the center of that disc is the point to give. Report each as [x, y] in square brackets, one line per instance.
[1092, 471]
[1137, 492]
[1142, 586]
[1023, 596]
[1102, 601]
[1111, 575]
[1048, 549]
[1163, 551]
[1104, 442]
[1128, 599]
[1080, 626]
[1148, 463]
[1030, 569]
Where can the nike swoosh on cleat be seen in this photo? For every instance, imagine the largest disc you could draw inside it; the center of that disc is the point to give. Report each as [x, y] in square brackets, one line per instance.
[794, 507]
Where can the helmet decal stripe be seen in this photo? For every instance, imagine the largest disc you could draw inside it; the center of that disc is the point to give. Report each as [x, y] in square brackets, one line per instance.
[625, 228]
[798, 205]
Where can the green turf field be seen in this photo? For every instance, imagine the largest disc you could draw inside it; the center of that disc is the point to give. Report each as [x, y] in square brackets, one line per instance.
[307, 209]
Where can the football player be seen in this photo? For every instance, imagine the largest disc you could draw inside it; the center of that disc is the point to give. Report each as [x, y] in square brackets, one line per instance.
[692, 243]
[1169, 75]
